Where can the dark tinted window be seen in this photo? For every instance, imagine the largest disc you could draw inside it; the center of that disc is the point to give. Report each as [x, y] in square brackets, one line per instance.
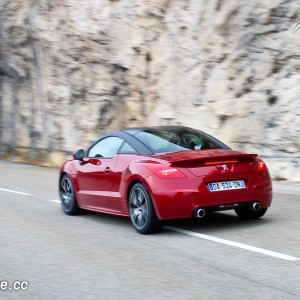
[178, 140]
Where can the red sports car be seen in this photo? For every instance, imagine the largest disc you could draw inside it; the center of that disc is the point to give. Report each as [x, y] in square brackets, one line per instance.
[161, 173]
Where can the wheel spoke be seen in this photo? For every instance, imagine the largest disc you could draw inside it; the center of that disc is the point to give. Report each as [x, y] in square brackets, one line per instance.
[139, 221]
[134, 201]
[69, 189]
[141, 197]
[63, 185]
[135, 213]
[144, 215]
[144, 206]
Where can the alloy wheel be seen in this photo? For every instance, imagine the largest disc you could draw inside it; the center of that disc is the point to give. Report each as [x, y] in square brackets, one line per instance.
[66, 193]
[138, 208]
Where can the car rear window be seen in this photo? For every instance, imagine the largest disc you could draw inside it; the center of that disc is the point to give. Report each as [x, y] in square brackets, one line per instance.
[178, 140]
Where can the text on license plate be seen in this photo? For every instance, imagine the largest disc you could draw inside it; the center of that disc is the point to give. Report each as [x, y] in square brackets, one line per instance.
[226, 185]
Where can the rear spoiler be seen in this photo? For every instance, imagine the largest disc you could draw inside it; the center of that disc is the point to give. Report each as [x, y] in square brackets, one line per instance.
[215, 160]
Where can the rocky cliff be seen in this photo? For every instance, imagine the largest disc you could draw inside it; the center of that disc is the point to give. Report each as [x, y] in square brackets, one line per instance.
[71, 70]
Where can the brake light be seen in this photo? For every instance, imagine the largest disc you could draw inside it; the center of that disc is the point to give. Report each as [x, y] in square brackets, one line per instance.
[261, 166]
[220, 162]
[163, 171]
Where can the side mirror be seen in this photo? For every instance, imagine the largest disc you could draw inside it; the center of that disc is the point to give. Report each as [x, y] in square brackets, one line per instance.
[79, 154]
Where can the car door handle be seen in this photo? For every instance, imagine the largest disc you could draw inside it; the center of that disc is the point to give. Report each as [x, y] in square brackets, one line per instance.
[107, 170]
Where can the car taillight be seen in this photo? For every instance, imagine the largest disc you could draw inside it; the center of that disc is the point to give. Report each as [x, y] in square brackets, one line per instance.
[261, 166]
[163, 171]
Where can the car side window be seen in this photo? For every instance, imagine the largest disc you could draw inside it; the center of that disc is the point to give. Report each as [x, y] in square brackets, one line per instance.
[127, 149]
[107, 148]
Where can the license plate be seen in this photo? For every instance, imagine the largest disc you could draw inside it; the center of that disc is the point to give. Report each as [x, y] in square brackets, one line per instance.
[226, 185]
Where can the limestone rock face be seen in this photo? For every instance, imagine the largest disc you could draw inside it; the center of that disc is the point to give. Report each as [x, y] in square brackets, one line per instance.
[72, 70]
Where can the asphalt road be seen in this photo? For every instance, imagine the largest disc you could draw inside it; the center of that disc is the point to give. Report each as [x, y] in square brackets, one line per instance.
[97, 256]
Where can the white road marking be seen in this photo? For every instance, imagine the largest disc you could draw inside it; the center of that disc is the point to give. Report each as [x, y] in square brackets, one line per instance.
[234, 244]
[56, 201]
[297, 27]
[203, 236]
[15, 192]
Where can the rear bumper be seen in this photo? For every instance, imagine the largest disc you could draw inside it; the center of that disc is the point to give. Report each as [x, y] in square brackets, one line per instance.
[227, 206]
[179, 198]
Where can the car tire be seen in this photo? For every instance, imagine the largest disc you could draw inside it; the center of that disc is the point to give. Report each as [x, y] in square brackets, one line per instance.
[142, 213]
[67, 196]
[248, 214]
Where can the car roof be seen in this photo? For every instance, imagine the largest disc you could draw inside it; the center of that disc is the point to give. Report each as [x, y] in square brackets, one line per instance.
[128, 135]
[135, 130]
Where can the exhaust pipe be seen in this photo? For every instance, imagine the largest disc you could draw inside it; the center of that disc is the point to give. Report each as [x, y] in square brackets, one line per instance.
[200, 213]
[256, 206]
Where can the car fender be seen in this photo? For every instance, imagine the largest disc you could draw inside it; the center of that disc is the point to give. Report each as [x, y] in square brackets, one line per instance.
[69, 167]
[133, 173]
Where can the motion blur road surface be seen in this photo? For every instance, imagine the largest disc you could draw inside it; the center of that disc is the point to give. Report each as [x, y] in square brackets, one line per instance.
[97, 256]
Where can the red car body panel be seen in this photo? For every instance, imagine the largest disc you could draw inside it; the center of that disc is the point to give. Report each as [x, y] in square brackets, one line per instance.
[103, 184]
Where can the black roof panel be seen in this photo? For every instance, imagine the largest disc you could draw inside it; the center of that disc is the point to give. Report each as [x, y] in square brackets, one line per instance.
[135, 130]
